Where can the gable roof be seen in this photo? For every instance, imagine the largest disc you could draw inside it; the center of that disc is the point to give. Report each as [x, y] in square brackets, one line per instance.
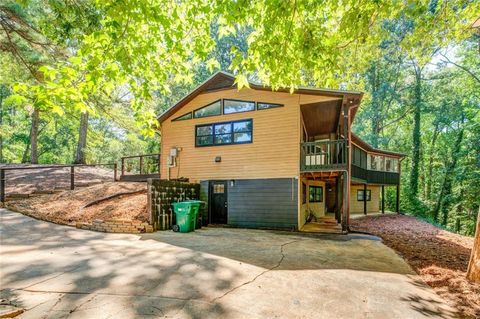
[357, 140]
[222, 80]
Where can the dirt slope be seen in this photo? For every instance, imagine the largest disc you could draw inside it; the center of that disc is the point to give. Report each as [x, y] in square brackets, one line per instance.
[28, 181]
[67, 207]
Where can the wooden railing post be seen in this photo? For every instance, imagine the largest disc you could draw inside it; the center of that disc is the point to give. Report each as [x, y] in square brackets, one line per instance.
[365, 199]
[72, 177]
[115, 172]
[141, 164]
[2, 185]
[383, 199]
[398, 199]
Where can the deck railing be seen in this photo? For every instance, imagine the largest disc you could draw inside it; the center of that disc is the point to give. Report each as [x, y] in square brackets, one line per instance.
[323, 155]
[140, 166]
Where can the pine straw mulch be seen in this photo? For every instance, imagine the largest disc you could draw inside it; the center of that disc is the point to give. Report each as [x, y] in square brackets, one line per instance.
[27, 181]
[67, 207]
[438, 256]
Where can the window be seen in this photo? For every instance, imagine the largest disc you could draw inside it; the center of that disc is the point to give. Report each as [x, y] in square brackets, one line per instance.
[237, 106]
[377, 163]
[315, 194]
[211, 109]
[183, 117]
[373, 163]
[381, 163]
[218, 188]
[395, 165]
[237, 132]
[242, 132]
[357, 156]
[360, 195]
[223, 133]
[204, 135]
[264, 106]
[388, 164]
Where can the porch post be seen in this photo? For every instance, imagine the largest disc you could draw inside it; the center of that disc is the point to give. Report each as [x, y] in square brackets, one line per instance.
[346, 179]
[338, 213]
[398, 199]
[345, 202]
[383, 199]
[365, 199]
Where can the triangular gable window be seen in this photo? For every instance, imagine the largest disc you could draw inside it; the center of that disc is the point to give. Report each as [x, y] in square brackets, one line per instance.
[211, 109]
[183, 117]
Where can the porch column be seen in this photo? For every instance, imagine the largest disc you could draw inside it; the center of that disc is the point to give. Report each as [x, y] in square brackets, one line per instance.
[345, 199]
[398, 199]
[383, 199]
[365, 199]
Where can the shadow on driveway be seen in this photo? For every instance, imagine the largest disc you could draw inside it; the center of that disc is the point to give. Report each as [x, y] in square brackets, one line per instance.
[56, 272]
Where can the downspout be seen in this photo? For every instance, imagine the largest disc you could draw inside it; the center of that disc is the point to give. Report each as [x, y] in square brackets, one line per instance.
[349, 121]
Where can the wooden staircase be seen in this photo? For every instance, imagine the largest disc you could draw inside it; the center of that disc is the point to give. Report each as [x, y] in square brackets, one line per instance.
[325, 224]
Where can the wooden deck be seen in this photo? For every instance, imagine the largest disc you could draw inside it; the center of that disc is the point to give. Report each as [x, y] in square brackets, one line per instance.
[323, 156]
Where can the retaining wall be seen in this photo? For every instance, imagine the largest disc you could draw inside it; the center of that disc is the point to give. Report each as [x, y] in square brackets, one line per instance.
[117, 226]
[161, 195]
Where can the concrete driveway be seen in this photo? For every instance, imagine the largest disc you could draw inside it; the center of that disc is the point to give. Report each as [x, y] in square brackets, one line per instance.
[60, 272]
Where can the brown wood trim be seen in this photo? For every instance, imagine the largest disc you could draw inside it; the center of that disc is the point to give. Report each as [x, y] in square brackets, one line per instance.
[351, 96]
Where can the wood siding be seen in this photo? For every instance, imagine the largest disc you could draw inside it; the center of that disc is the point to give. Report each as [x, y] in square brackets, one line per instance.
[318, 209]
[373, 206]
[275, 150]
[263, 203]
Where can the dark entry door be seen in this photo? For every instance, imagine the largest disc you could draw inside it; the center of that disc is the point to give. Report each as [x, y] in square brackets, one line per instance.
[218, 197]
[331, 198]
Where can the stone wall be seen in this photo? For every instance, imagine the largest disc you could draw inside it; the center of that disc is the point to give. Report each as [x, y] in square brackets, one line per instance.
[161, 195]
[117, 226]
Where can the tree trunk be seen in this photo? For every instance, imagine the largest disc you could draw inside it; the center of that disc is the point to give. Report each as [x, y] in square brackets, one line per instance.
[82, 139]
[473, 272]
[26, 152]
[375, 119]
[416, 135]
[444, 199]
[34, 137]
[428, 193]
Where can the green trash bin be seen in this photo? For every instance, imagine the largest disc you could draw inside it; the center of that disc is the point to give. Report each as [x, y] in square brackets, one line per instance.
[196, 204]
[186, 214]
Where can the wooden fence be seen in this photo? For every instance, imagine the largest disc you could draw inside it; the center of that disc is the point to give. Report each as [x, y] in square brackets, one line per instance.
[3, 180]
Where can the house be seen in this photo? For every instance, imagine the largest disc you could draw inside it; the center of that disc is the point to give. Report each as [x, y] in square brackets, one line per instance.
[272, 159]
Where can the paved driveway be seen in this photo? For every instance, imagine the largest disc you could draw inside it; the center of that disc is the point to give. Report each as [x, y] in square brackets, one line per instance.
[58, 272]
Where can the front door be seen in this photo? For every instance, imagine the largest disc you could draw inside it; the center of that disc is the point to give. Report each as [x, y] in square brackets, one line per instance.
[330, 198]
[218, 200]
